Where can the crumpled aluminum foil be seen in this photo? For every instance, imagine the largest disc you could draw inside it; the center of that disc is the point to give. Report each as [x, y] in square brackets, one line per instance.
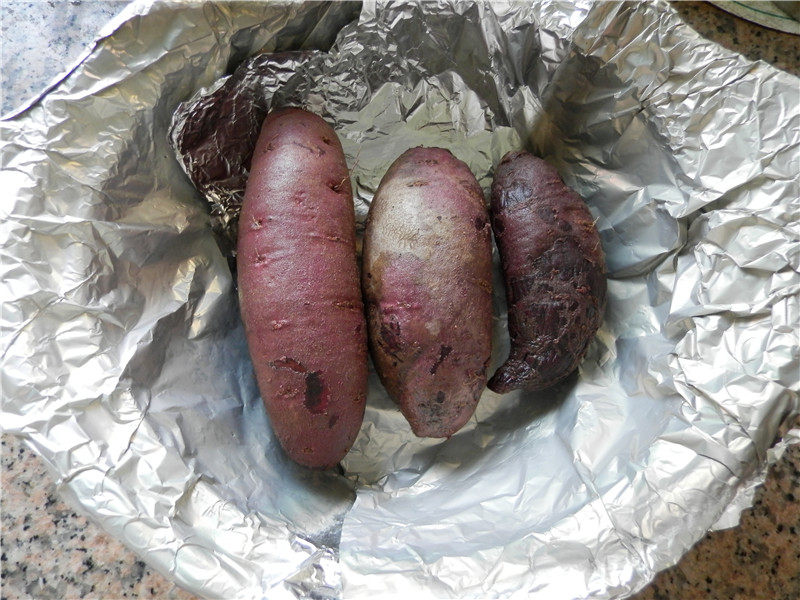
[124, 360]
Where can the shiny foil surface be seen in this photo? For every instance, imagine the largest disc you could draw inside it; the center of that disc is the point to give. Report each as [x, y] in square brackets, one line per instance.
[124, 359]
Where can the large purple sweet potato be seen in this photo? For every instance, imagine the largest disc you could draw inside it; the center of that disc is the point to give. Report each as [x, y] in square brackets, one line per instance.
[299, 288]
[427, 286]
[554, 272]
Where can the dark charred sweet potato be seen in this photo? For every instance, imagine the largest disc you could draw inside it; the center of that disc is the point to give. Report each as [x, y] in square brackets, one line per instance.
[299, 288]
[427, 286]
[554, 272]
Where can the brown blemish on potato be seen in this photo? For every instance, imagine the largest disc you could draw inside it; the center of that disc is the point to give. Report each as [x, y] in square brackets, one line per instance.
[317, 151]
[333, 238]
[418, 183]
[332, 421]
[286, 391]
[347, 305]
[316, 401]
[288, 363]
[485, 285]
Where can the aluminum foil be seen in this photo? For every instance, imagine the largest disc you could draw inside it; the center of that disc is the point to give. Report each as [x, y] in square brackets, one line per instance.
[125, 364]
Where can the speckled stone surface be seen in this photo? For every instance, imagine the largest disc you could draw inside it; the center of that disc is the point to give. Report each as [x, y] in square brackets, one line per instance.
[66, 26]
[779, 49]
[49, 551]
[758, 560]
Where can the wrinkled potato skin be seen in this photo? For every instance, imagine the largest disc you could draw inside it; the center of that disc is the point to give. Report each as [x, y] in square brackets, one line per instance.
[299, 288]
[554, 269]
[426, 278]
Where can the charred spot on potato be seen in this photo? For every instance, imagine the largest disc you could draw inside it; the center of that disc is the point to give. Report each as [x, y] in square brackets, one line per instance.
[546, 214]
[391, 336]
[565, 261]
[326, 140]
[516, 193]
[443, 352]
[315, 400]
[480, 223]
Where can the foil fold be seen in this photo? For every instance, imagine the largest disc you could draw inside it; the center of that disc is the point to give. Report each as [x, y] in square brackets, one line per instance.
[124, 359]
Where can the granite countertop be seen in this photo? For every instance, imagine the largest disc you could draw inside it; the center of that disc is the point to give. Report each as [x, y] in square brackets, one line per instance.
[49, 551]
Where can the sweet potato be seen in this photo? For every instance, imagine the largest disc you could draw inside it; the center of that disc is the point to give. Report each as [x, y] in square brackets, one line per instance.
[299, 288]
[554, 271]
[427, 287]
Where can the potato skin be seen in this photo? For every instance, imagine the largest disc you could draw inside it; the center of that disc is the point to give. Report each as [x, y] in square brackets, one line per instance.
[427, 286]
[554, 269]
[299, 288]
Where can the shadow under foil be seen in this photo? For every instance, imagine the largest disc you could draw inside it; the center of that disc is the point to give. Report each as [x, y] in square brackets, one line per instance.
[531, 406]
[508, 415]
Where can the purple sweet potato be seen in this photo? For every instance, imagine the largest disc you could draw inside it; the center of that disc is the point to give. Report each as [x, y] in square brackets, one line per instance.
[428, 291]
[554, 271]
[299, 288]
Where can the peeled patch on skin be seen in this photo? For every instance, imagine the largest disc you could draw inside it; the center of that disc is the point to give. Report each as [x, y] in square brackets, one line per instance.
[299, 288]
[427, 286]
[554, 271]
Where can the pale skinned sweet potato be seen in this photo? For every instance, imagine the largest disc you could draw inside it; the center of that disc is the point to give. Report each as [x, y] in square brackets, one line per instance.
[427, 287]
[299, 288]
[554, 271]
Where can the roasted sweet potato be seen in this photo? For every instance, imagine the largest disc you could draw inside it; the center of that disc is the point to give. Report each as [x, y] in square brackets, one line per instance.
[427, 286]
[554, 271]
[299, 288]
